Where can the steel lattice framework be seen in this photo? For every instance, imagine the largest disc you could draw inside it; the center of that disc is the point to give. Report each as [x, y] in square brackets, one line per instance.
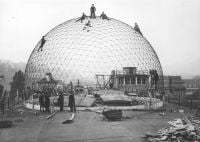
[75, 51]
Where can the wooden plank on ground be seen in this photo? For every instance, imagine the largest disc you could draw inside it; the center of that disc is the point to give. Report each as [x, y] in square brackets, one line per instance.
[51, 115]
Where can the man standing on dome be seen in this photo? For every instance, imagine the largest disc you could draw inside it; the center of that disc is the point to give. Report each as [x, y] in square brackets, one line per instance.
[92, 11]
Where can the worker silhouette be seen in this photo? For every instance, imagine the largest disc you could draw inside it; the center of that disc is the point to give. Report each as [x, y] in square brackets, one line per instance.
[72, 100]
[154, 78]
[41, 101]
[82, 18]
[136, 28]
[47, 102]
[61, 101]
[87, 26]
[92, 11]
[104, 16]
[42, 44]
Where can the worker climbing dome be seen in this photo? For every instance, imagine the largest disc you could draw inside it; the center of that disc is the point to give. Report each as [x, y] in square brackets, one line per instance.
[76, 50]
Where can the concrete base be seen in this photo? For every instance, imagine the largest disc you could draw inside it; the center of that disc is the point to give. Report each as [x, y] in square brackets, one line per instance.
[155, 106]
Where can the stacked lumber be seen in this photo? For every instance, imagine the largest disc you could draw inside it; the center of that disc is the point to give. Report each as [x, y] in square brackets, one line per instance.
[181, 130]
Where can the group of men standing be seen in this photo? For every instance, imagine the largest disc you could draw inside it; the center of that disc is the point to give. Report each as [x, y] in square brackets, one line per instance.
[71, 101]
[44, 101]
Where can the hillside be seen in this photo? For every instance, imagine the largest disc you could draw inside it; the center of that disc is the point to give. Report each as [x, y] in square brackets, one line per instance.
[8, 69]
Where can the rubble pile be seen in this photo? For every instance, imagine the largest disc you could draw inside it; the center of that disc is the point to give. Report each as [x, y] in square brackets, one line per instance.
[181, 130]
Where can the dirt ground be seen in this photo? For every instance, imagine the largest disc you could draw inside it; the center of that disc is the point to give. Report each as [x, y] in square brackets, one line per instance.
[87, 126]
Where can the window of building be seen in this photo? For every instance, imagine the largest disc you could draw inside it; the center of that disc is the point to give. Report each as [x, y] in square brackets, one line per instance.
[132, 80]
[127, 80]
[138, 80]
[121, 80]
[143, 80]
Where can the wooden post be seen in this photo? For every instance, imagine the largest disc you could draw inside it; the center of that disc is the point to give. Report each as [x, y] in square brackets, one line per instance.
[135, 80]
[104, 85]
[33, 102]
[97, 85]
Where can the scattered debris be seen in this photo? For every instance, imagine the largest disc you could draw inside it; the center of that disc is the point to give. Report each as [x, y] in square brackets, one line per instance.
[181, 130]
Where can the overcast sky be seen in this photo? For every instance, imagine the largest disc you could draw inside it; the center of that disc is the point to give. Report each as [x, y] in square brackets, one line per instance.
[171, 26]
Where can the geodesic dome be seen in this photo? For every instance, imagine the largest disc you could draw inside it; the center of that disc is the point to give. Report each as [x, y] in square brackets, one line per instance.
[75, 51]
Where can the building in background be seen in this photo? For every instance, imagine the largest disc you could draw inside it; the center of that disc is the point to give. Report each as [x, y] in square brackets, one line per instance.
[174, 85]
[2, 83]
[192, 88]
[131, 80]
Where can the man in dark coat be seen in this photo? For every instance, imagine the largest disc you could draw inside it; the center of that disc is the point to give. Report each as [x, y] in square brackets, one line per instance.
[41, 101]
[92, 11]
[72, 103]
[47, 103]
[2, 103]
[61, 101]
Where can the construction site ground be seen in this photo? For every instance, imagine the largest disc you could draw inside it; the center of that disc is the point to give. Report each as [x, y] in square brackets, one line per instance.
[88, 126]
